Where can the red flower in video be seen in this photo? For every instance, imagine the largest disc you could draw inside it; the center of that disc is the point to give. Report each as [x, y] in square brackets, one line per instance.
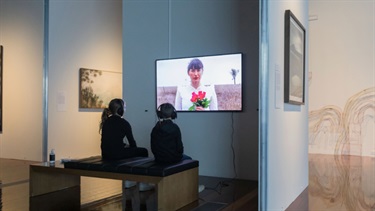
[199, 99]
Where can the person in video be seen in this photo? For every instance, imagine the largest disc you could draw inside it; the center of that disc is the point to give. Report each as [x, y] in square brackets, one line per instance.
[196, 96]
[114, 128]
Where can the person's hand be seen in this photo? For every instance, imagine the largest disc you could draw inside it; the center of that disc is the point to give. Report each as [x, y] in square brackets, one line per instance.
[199, 108]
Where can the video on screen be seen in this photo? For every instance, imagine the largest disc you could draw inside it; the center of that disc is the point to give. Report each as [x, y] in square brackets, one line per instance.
[202, 83]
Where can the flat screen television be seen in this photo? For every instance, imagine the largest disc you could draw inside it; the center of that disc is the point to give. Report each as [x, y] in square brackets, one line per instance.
[200, 83]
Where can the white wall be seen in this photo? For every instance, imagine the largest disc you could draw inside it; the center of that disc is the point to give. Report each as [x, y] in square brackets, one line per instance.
[21, 34]
[342, 77]
[287, 135]
[81, 34]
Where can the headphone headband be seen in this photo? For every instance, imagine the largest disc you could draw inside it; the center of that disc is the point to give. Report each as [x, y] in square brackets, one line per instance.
[166, 110]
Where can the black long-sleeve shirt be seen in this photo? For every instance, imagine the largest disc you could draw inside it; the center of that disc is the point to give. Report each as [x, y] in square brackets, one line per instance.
[114, 130]
[166, 143]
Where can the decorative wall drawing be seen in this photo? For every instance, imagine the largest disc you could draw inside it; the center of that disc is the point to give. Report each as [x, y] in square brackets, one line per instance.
[1, 88]
[349, 187]
[294, 64]
[98, 88]
[345, 132]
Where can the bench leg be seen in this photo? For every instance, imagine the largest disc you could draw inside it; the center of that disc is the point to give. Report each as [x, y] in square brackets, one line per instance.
[178, 190]
[51, 190]
[123, 195]
[132, 195]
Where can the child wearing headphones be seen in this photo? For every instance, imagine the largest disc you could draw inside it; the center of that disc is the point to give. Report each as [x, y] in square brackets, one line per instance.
[166, 142]
[114, 128]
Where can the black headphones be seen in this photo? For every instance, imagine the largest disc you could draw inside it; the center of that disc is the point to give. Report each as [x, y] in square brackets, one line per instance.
[120, 110]
[166, 110]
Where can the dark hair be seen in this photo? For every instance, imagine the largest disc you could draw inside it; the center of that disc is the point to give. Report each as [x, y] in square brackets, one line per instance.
[116, 106]
[195, 64]
[166, 110]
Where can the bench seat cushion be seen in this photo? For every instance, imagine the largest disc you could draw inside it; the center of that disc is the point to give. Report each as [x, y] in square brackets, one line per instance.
[136, 165]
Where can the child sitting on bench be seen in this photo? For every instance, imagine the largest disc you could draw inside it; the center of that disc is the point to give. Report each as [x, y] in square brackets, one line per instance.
[114, 128]
[166, 141]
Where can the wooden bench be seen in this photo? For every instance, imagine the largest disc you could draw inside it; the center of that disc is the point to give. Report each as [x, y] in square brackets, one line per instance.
[176, 185]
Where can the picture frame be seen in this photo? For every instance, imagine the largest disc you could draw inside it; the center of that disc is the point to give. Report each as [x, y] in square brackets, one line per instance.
[294, 60]
[97, 88]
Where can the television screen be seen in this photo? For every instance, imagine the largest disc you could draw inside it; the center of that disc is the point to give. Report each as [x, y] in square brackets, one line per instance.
[201, 83]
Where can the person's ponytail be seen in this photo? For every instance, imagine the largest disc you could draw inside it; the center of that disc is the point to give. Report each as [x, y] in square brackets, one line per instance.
[105, 114]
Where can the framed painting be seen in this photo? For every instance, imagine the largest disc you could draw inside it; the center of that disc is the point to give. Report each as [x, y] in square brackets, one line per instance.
[98, 88]
[294, 64]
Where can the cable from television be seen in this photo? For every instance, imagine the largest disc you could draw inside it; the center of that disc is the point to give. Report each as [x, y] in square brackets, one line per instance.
[234, 160]
[224, 183]
[233, 151]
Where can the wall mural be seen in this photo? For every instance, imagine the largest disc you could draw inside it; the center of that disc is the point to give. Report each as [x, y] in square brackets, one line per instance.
[349, 131]
[339, 133]
[341, 182]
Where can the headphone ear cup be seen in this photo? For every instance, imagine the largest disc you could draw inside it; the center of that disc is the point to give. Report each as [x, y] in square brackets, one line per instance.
[174, 114]
[120, 111]
[159, 113]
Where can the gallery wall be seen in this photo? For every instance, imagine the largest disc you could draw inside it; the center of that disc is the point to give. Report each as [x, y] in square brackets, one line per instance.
[21, 35]
[225, 143]
[286, 126]
[84, 34]
[342, 78]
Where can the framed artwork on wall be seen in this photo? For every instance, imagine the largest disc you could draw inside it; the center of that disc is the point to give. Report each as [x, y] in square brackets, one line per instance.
[294, 60]
[98, 88]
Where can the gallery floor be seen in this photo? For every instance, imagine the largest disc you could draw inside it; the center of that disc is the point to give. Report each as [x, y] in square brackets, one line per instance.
[342, 183]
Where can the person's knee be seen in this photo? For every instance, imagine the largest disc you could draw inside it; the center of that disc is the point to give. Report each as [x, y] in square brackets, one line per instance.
[144, 152]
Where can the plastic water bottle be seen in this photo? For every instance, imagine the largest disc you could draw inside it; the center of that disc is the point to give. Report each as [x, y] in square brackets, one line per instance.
[52, 157]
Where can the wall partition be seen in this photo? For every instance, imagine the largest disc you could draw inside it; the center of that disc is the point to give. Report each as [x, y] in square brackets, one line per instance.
[283, 126]
[22, 35]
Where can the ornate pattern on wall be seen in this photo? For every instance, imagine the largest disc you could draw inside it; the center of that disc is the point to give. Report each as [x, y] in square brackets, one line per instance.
[349, 131]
